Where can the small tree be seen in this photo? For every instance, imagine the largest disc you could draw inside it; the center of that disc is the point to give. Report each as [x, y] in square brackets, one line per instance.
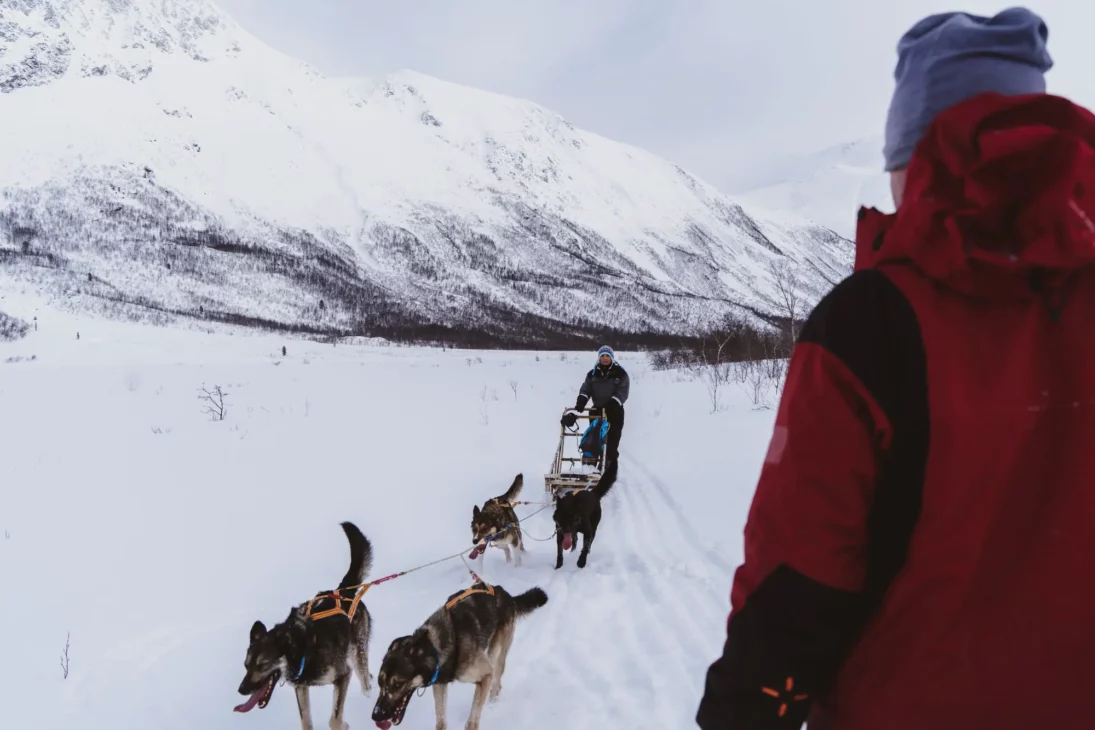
[513, 387]
[715, 369]
[213, 402]
[483, 411]
[64, 657]
[788, 288]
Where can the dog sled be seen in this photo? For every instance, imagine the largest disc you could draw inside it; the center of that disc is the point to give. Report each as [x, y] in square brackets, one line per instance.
[583, 470]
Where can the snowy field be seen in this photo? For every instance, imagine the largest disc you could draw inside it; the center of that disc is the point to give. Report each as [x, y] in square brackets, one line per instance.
[154, 536]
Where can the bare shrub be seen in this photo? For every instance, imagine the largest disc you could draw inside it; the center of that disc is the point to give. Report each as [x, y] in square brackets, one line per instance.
[513, 387]
[754, 382]
[715, 370]
[788, 288]
[64, 657]
[213, 403]
[763, 380]
[483, 410]
[11, 328]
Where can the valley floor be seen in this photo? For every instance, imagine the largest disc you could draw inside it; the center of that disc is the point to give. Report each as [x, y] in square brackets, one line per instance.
[153, 537]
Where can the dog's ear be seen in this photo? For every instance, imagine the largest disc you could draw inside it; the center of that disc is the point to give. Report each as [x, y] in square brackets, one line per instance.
[420, 645]
[475, 512]
[258, 630]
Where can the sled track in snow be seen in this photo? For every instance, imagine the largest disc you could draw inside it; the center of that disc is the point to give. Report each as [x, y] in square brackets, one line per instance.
[626, 641]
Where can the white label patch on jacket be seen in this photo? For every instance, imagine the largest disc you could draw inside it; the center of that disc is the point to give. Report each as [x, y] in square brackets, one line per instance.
[776, 446]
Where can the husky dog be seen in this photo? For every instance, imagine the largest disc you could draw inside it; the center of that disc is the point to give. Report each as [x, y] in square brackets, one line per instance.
[497, 513]
[579, 512]
[321, 642]
[466, 640]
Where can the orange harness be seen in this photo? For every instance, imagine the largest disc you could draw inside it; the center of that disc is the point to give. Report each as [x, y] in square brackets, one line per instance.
[338, 599]
[489, 590]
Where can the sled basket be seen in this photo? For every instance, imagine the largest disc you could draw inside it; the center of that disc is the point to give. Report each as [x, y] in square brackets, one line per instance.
[583, 469]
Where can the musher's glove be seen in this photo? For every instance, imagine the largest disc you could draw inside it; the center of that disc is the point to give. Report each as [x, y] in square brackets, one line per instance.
[569, 420]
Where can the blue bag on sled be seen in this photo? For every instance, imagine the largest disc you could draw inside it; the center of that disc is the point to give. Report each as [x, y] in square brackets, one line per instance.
[593, 441]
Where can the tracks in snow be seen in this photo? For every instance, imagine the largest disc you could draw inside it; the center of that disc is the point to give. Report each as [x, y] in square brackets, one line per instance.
[626, 641]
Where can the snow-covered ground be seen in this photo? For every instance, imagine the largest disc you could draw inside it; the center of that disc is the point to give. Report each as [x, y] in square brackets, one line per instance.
[153, 537]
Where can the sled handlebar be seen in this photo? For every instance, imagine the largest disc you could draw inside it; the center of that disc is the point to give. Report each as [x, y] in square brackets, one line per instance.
[584, 412]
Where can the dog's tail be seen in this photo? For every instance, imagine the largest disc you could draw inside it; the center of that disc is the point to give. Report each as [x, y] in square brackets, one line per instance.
[514, 489]
[361, 556]
[604, 484]
[529, 601]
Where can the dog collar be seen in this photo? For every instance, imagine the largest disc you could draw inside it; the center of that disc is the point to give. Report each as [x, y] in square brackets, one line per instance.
[300, 669]
[437, 668]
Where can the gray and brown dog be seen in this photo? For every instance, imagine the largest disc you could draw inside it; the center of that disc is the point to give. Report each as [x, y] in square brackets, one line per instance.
[497, 516]
[466, 640]
[322, 641]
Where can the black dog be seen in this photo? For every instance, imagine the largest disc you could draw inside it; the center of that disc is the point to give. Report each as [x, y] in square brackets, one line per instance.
[579, 512]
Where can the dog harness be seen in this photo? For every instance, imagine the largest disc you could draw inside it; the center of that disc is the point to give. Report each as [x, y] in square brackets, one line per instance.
[489, 590]
[339, 600]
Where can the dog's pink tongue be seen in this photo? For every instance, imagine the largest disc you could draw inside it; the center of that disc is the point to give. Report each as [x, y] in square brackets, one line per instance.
[384, 724]
[568, 540]
[251, 701]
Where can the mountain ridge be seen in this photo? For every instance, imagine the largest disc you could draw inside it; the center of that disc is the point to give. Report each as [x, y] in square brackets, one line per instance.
[222, 176]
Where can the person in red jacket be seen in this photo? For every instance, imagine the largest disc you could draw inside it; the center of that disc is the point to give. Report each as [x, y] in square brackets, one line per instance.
[920, 549]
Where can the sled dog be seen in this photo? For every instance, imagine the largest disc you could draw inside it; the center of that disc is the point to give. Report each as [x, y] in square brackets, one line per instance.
[321, 642]
[496, 516]
[466, 640]
[579, 512]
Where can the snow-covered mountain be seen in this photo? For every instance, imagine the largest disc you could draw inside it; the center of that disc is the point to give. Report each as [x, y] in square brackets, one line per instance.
[827, 187]
[153, 153]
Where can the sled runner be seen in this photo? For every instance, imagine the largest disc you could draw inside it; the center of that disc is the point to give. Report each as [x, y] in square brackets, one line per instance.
[582, 470]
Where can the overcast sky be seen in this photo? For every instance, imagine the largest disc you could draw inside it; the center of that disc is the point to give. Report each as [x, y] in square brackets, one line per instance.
[718, 86]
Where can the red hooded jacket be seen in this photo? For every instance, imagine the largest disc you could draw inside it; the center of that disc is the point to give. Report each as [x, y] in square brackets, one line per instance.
[920, 552]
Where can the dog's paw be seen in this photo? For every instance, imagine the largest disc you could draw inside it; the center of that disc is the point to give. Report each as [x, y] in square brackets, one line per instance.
[559, 565]
[581, 561]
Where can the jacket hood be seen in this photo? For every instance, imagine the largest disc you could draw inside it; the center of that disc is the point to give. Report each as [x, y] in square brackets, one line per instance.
[999, 198]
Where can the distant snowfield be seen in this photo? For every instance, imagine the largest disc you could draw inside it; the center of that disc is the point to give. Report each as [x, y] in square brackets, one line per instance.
[827, 187]
[155, 537]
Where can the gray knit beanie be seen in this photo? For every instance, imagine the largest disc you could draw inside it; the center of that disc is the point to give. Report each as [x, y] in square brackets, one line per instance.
[950, 57]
